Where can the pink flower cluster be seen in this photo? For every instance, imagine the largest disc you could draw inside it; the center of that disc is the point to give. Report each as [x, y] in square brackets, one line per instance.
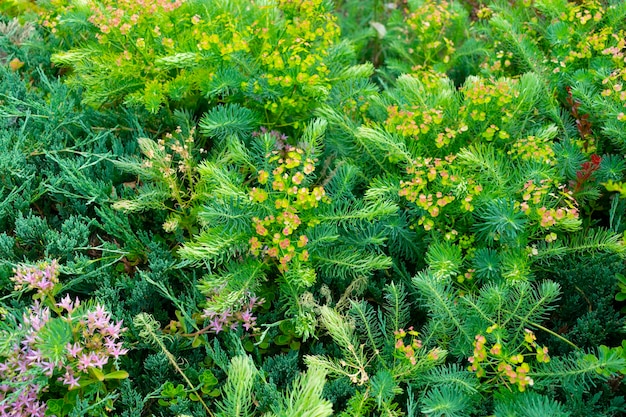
[32, 359]
[229, 319]
[23, 367]
[41, 278]
[95, 341]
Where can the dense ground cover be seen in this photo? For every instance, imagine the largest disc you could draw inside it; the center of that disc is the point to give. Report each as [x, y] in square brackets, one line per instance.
[312, 208]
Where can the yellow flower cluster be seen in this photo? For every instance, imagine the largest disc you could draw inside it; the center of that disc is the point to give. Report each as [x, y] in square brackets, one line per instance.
[489, 105]
[426, 29]
[412, 122]
[429, 174]
[584, 12]
[278, 236]
[539, 203]
[500, 364]
[532, 148]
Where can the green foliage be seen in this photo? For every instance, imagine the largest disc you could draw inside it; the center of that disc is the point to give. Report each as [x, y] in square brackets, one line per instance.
[277, 58]
[531, 404]
[376, 359]
[456, 320]
[587, 316]
[237, 399]
[263, 186]
[305, 397]
[444, 402]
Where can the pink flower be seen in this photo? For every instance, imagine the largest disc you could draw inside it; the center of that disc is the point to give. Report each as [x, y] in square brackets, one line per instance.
[73, 350]
[70, 379]
[216, 325]
[84, 362]
[112, 330]
[67, 304]
[248, 319]
[115, 349]
[97, 319]
[99, 359]
[41, 278]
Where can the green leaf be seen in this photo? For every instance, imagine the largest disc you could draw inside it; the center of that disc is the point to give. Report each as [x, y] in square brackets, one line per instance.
[55, 407]
[154, 96]
[207, 379]
[384, 388]
[97, 373]
[237, 398]
[116, 375]
[282, 339]
[197, 341]
[445, 402]
[171, 391]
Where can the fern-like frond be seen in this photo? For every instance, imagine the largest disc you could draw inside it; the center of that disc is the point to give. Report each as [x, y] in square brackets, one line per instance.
[366, 235]
[351, 88]
[226, 82]
[527, 54]
[529, 404]
[368, 325]
[311, 140]
[483, 158]
[446, 325]
[53, 339]
[333, 366]
[305, 398]
[322, 236]
[346, 262]
[397, 307]
[359, 405]
[500, 220]
[385, 187]
[222, 181]
[343, 181]
[231, 284]
[233, 216]
[410, 89]
[382, 147]
[453, 375]
[214, 244]
[444, 259]
[383, 388]
[235, 152]
[340, 136]
[346, 212]
[150, 196]
[237, 393]
[531, 304]
[342, 331]
[404, 241]
[229, 119]
[589, 241]
[358, 72]
[445, 401]
[579, 369]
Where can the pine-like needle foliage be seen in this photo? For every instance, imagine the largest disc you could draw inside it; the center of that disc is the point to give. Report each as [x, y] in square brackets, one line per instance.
[454, 320]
